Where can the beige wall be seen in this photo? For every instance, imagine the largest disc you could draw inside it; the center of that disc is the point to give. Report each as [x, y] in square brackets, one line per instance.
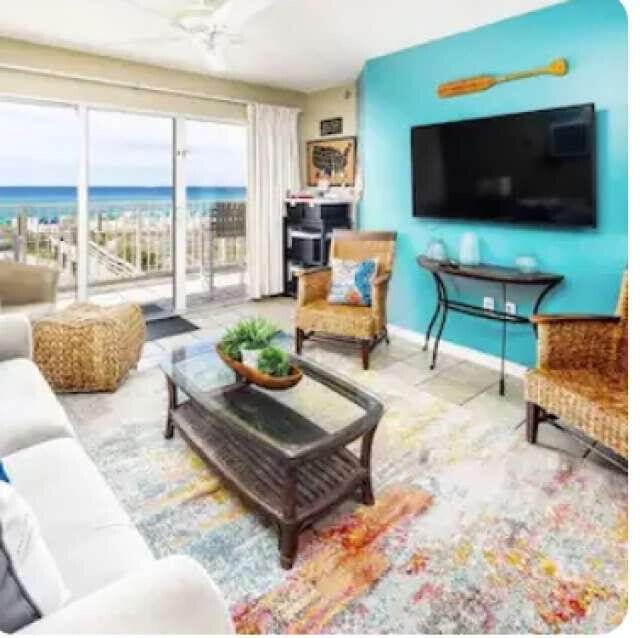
[340, 101]
[28, 85]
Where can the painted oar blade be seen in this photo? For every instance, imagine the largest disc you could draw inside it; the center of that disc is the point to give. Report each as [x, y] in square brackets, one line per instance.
[558, 67]
[466, 86]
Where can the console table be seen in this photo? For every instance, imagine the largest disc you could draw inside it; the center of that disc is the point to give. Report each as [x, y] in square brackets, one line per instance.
[483, 272]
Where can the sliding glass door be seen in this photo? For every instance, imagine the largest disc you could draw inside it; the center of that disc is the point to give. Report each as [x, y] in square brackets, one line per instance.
[130, 255]
[216, 177]
[127, 206]
[38, 196]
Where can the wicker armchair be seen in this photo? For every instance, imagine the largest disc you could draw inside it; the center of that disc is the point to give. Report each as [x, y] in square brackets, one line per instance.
[364, 325]
[581, 376]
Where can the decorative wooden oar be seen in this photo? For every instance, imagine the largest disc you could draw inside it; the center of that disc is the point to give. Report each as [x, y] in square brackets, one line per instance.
[484, 82]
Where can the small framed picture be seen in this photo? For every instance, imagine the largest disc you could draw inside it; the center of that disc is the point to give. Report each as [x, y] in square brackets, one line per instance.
[334, 158]
[332, 126]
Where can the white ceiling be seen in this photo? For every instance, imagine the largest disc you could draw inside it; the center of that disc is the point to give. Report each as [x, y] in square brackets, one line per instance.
[296, 44]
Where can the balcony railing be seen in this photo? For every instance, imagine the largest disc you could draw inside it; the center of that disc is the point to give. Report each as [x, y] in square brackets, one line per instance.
[128, 241]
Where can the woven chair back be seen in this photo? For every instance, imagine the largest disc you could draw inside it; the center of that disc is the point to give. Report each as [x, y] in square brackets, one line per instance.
[354, 245]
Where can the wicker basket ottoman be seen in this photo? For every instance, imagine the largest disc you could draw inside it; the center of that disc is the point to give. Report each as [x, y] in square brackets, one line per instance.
[89, 348]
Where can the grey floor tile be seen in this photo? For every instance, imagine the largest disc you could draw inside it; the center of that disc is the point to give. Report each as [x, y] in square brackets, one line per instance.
[422, 360]
[177, 341]
[508, 410]
[449, 389]
[477, 376]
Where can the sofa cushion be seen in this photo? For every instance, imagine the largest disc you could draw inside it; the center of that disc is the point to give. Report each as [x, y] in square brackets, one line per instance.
[90, 536]
[30, 583]
[29, 411]
[34, 311]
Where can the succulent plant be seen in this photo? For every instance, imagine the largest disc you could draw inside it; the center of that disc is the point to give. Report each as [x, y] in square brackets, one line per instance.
[274, 361]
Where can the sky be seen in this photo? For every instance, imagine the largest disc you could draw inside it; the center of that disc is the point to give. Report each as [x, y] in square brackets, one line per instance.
[39, 147]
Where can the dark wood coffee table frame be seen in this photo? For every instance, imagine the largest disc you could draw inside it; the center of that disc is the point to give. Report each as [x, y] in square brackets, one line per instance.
[294, 489]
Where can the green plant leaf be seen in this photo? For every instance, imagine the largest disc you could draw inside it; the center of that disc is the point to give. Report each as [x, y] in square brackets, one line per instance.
[250, 334]
[274, 361]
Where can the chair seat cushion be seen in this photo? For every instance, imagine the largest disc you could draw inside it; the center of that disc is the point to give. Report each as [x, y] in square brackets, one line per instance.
[590, 400]
[349, 321]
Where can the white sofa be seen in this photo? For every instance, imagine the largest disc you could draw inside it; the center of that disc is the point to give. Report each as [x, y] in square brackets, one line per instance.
[116, 585]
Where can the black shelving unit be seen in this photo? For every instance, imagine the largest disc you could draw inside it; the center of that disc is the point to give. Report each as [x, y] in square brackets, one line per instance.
[307, 228]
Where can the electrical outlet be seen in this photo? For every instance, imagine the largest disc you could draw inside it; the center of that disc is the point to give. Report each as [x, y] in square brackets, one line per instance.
[510, 308]
[489, 303]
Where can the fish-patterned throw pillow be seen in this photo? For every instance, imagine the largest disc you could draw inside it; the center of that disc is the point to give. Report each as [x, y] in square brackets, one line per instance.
[351, 281]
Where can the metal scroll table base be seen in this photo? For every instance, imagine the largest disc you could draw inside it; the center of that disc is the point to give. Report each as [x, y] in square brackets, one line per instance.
[444, 305]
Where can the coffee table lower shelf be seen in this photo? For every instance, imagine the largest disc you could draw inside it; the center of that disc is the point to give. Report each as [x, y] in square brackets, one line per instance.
[293, 493]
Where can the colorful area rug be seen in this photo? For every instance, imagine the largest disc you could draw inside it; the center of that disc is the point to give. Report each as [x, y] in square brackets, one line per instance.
[473, 530]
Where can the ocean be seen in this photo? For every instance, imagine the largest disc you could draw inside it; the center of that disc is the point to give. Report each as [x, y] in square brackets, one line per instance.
[47, 201]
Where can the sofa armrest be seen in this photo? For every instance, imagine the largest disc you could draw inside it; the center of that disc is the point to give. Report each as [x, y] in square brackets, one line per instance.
[313, 284]
[15, 337]
[170, 596]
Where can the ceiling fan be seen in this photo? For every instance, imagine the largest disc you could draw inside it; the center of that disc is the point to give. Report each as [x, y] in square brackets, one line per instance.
[211, 26]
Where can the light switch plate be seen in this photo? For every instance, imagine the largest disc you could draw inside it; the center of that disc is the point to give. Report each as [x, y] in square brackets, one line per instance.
[489, 303]
[510, 308]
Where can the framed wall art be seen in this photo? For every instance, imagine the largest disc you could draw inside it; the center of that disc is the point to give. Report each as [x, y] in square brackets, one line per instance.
[334, 158]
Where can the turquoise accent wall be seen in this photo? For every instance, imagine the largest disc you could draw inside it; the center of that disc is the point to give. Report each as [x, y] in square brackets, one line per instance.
[398, 91]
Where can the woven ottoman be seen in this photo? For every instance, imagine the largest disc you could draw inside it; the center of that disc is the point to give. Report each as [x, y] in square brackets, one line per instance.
[88, 348]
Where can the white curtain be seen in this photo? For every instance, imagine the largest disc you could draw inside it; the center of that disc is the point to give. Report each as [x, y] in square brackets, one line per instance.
[274, 169]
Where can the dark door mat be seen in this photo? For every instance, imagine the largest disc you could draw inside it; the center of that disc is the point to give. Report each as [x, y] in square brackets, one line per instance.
[169, 327]
[152, 309]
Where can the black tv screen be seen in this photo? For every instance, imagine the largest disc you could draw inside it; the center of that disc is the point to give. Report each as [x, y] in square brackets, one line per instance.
[527, 168]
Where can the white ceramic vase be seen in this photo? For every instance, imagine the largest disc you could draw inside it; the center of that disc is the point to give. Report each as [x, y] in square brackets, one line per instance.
[469, 250]
[250, 357]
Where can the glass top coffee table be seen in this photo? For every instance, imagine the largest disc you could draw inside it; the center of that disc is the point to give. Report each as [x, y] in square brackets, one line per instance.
[284, 451]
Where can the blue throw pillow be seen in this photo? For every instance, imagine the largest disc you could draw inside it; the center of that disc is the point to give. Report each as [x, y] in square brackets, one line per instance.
[351, 281]
[3, 474]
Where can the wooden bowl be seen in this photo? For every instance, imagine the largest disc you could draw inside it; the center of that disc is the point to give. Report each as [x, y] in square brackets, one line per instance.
[252, 375]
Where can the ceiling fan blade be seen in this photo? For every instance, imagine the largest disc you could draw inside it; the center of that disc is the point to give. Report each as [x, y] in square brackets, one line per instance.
[235, 14]
[214, 57]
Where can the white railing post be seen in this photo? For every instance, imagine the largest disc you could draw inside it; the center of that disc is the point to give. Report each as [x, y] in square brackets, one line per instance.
[179, 216]
[82, 221]
[139, 239]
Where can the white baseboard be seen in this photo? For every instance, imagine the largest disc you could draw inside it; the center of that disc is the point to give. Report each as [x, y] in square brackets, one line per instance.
[462, 352]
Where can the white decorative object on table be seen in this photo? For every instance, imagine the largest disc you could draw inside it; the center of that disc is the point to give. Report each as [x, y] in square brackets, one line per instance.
[250, 357]
[469, 250]
[436, 250]
[526, 263]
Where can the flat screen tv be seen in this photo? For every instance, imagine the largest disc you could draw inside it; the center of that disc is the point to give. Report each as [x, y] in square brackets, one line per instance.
[533, 168]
